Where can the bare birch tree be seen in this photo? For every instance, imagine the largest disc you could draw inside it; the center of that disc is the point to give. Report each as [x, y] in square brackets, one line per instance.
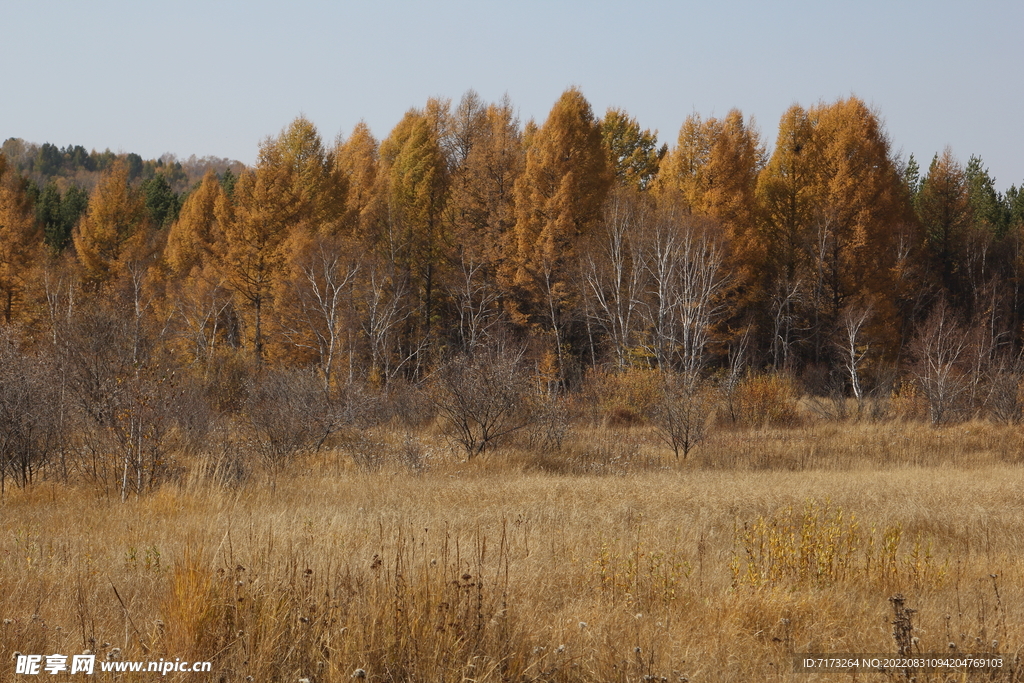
[616, 275]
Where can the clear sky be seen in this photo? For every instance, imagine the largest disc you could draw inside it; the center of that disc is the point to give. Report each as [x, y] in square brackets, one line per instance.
[215, 77]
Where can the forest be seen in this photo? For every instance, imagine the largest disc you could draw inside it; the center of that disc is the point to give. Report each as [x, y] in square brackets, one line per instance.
[467, 255]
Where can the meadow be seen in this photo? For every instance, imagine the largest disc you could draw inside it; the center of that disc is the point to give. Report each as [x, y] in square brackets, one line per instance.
[606, 559]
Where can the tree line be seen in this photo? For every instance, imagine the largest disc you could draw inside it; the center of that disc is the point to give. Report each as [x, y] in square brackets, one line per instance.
[580, 241]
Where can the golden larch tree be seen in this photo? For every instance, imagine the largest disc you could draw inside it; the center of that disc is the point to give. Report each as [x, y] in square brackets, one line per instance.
[114, 226]
[559, 200]
[20, 238]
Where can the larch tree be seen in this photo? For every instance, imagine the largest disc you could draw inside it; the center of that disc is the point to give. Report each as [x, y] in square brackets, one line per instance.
[415, 177]
[356, 159]
[405, 225]
[191, 237]
[249, 254]
[113, 227]
[197, 293]
[319, 185]
[713, 171]
[559, 199]
[859, 199]
[784, 196]
[714, 166]
[482, 211]
[20, 238]
[786, 215]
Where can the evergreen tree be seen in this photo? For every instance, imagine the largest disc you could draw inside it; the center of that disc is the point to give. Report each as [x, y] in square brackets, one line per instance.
[634, 153]
[162, 204]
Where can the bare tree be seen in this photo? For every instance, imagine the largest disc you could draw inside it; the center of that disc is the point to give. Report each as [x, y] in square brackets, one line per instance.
[124, 399]
[1005, 384]
[941, 347]
[852, 346]
[687, 280]
[484, 397]
[616, 278]
[731, 382]
[203, 315]
[476, 300]
[784, 323]
[383, 310]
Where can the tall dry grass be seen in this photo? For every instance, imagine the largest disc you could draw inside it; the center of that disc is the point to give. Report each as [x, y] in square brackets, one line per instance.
[604, 561]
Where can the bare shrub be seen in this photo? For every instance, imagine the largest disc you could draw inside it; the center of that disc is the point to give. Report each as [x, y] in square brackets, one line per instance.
[121, 397]
[1006, 389]
[407, 403]
[30, 427]
[551, 424]
[483, 397]
[288, 412]
[683, 414]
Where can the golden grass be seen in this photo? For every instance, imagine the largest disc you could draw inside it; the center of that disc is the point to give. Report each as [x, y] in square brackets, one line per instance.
[517, 567]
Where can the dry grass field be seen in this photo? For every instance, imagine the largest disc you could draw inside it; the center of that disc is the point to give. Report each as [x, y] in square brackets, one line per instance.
[604, 561]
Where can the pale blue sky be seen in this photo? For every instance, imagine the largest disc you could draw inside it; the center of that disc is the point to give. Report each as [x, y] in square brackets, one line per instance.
[215, 77]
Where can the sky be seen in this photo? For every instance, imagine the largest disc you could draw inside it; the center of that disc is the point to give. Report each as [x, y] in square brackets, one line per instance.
[217, 77]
